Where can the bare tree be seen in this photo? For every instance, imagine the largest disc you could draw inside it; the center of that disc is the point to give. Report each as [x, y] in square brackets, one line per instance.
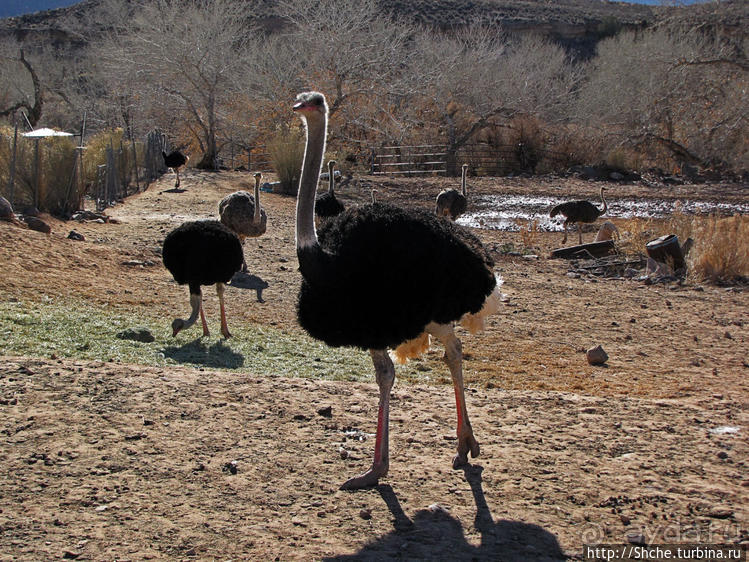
[481, 75]
[23, 87]
[179, 59]
[677, 90]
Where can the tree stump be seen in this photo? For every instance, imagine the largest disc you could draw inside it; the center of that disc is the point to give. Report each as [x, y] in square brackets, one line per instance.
[666, 250]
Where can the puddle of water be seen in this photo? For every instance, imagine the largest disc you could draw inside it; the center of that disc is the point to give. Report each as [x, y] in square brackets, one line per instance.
[514, 212]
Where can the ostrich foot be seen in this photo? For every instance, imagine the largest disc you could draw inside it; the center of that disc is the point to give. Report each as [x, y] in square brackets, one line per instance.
[466, 444]
[225, 333]
[369, 478]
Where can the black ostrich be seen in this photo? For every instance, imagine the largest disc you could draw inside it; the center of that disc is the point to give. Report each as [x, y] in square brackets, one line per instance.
[202, 253]
[578, 212]
[382, 277]
[452, 203]
[326, 205]
[175, 160]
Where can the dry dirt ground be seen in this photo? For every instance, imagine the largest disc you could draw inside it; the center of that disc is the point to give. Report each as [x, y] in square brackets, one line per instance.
[109, 461]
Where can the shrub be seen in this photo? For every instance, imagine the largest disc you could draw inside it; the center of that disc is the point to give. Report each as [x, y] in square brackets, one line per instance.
[286, 151]
[721, 249]
[57, 186]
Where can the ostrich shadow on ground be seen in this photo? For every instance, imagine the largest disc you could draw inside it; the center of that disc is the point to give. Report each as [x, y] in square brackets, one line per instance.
[242, 280]
[217, 355]
[434, 534]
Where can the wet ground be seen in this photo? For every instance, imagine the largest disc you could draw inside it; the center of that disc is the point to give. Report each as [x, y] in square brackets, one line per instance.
[511, 212]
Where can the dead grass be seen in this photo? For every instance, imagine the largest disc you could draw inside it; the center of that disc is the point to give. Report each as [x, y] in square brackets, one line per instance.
[721, 245]
[721, 250]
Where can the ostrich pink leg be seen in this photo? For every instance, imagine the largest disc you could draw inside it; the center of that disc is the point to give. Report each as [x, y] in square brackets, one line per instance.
[385, 374]
[224, 327]
[202, 319]
[454, 359]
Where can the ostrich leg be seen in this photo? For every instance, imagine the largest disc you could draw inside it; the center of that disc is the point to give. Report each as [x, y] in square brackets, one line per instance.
[220, 288]
[177, 182]
[385, 374]
[202, 319]
[580, 232]
[454, 359]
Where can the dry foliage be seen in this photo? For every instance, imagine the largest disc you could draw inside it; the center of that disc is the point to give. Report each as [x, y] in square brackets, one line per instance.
[721, 245]
[721, 250]
[286, 151]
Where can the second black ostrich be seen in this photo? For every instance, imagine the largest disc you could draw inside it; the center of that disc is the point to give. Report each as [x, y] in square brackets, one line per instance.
[202, 253]
[327, 205]
[382, 277]
[579, 212]
[175, 160]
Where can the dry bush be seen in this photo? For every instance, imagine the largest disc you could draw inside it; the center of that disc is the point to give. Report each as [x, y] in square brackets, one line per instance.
[721, 249]
[56, 183]
[96, 155]
[529, 234]
[286, 151]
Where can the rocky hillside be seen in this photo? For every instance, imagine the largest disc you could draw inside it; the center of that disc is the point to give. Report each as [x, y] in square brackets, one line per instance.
[577, 24]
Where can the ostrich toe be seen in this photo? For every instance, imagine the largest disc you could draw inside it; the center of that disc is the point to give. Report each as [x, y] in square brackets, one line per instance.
[369, 478]
[466, 444]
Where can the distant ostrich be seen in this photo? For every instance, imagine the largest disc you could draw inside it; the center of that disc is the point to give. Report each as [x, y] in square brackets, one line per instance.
[202, 253]
[452, 203]
[326, 205]
[175, 160]
[243, 216]
[382, 277]
[578, 212]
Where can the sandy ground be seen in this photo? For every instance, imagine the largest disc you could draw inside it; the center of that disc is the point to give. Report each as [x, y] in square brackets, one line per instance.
[105, 461]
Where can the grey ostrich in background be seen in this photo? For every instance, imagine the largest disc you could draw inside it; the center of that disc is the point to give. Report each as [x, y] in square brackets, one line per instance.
[576, 212]
[452, 203]
[175, 160]
[244, 215]
[381, 277]
[202, 253]
[326, 205]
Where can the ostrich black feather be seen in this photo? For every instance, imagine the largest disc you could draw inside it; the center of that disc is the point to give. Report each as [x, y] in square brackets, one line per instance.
[361, 287]
[174, 159]
[326, 205]
[202, 253]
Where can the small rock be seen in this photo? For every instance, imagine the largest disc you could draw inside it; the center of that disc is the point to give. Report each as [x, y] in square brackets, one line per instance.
[636, 537]
[722, 455]
[326, 412]
[73, 235]
[624, 519]
[37, 224]
[365, 514]
[596, 355]
[230, 467]
[70, 555]
[137, 334]
[720, 513]
[343, 452]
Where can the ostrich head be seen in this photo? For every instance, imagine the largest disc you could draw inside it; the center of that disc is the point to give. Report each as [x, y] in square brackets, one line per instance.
[311, 104]
[177, 326]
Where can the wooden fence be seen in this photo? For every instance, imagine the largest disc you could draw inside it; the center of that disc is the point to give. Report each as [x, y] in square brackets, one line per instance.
[483, 160]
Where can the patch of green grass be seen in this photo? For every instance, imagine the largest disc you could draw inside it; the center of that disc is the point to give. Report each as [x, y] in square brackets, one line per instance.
[80, 331]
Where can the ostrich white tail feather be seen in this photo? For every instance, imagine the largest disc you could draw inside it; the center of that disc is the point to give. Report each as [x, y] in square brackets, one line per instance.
[476, 322]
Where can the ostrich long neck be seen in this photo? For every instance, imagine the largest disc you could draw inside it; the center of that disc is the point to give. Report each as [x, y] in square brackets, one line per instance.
[331, 167]
[463, 182]
[306, 236]
[256, 216]
[605, 205]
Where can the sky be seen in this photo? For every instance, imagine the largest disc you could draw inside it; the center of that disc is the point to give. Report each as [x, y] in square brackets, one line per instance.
[18, 7]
